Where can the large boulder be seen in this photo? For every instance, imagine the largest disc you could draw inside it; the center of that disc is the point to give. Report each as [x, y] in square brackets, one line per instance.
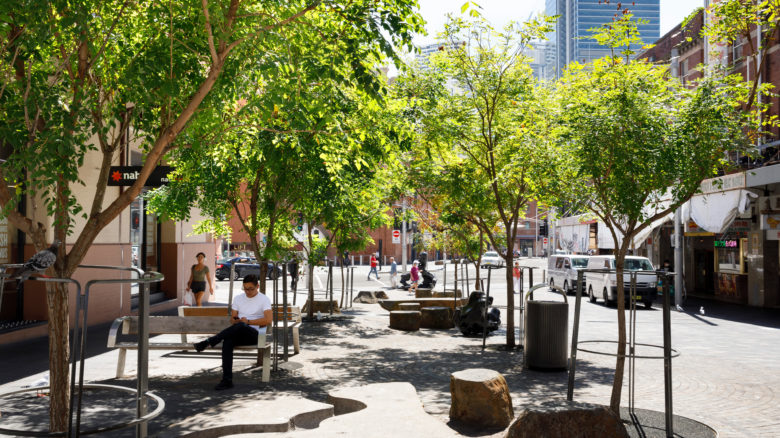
[408, 320]
[435, 318]
[480, 397]
[567, 421]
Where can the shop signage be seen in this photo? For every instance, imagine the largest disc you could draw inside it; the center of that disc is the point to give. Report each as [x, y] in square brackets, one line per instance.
[726, 244]
[723, 183]
[121, 176]
[693, 229]
[771, 223]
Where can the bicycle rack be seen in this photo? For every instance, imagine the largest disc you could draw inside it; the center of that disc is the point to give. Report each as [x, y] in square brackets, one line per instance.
[668, 352]
[82, 305]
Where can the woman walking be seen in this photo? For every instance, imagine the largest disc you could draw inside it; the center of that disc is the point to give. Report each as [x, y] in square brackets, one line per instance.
[199, 275]
[414, 276]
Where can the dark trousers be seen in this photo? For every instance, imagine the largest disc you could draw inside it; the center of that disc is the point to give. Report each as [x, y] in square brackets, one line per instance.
[236, 334]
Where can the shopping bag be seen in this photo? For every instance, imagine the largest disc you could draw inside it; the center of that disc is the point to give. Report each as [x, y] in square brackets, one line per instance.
[188, 299]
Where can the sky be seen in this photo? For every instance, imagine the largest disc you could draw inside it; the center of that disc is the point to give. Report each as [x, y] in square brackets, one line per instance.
[499, 12]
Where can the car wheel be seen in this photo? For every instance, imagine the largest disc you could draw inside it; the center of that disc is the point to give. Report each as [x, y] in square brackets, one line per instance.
[236, 275]
[566, 286]
[606, 297]
[273, 274]
[220, 278]
[648, 305]
[591, 296]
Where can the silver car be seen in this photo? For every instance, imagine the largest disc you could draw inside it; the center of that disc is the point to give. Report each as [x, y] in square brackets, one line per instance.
[491, 259]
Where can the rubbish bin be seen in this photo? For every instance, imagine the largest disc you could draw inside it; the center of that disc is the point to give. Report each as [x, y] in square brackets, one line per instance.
[546, 332]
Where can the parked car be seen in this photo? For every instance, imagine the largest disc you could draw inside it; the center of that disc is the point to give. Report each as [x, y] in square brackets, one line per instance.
[491, 259]
[562, 270]
[605, 284]
[243, 267]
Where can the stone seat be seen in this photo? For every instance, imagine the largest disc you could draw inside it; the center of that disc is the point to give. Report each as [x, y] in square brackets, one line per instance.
[408, 320]
[435, 318]
[480, 397]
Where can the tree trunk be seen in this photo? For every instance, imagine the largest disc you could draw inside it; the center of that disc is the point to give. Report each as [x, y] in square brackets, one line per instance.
[310, 281]
[59, 352]
[617, 384]
[510, 295]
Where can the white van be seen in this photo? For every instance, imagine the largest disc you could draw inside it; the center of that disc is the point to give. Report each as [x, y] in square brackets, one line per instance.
[562, 270]
[605, 285]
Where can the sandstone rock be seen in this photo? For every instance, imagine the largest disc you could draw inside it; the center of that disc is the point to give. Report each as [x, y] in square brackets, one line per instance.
[574, 422]
[370, 296]
[445, 294]
[480, 397]
[366, 296]
[322, 306]
[405, 320]
[423, 293]
[435, 318]
[409, 306]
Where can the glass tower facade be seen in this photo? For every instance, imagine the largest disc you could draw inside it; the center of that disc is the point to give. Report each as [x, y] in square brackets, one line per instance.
[570, 40]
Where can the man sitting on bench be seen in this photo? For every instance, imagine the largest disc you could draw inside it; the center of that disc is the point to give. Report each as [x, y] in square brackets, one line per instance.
[251, 313]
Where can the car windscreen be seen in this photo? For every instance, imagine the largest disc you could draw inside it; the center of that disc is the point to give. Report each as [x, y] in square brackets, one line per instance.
[638, 265]
[490, 254]
[579, 262]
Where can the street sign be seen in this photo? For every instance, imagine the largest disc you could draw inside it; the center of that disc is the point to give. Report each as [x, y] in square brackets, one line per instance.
[544, 241]
[396, 236]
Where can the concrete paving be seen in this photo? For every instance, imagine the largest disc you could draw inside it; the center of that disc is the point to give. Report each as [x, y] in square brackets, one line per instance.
[727, 375]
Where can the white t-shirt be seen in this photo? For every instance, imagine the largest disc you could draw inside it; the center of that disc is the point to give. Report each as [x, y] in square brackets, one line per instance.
[252, 308]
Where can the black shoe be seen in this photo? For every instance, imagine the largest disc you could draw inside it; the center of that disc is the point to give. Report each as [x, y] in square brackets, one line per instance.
[224, 384]
[202, 345]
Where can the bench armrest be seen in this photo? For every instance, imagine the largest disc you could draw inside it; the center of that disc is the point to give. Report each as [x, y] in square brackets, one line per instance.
[114, 330]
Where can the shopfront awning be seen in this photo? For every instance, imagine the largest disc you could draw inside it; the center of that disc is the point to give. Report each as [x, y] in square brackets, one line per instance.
[714, 212]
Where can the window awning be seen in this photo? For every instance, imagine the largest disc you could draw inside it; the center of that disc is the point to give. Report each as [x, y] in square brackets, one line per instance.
[714, 212]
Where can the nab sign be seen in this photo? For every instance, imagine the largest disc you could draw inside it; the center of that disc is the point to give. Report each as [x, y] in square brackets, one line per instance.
[126, 175]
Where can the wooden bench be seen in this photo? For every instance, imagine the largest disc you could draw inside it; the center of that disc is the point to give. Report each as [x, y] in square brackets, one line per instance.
[294, 319]
[159, 325]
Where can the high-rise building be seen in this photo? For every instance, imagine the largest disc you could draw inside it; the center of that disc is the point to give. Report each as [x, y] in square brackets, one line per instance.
[570, 40]
[423, 58]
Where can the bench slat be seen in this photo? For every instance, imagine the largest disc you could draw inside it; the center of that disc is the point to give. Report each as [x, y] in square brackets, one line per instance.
[178, 324]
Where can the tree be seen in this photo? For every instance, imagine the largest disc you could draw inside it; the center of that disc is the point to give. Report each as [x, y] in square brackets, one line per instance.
[95, 69]
[736, 22]
[641, 143]
[484, 150]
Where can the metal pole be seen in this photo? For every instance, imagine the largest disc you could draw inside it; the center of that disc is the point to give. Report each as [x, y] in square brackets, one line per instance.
[330, 283]
[668, 360]
[143, 359]
[468, 282]
[284, 308]
[575, 335]
[531, 280]
[275, 318]
[484, 312]
[678, 258]
[403, 236]
[230, 287]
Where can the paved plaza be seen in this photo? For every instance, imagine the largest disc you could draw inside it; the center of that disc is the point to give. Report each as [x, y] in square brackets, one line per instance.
[727, 375]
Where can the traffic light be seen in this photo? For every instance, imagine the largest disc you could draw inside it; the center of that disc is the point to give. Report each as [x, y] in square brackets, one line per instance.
[300, 221]
[135, 219]
[543, 228]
